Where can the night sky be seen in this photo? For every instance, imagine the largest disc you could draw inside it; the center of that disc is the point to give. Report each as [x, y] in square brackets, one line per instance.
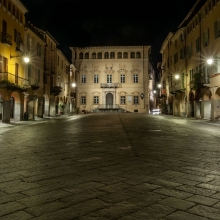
[108, 23]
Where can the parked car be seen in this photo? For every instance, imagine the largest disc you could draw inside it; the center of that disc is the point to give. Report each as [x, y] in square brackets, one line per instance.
[156, 111]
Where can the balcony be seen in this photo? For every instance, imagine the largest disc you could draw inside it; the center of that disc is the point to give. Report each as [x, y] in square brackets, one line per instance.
[6, 39]
[177, 88]
[110, 85]
[55, 90]
[13, 82]
[20, 48]
[73, 95]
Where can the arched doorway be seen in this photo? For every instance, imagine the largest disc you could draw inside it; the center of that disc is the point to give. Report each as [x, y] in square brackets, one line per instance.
[12, 104]
[191, 104]
[109, 99]
[15, 106]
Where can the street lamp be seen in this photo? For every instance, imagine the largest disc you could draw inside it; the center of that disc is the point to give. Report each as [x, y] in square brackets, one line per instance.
[177, 76]
[159, 85]
[209, 61]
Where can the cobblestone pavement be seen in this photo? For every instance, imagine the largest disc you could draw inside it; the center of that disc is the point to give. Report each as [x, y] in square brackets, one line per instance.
[110, 166]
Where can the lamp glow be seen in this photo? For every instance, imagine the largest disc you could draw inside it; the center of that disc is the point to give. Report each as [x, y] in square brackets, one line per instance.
[73, 84]
[177, 76]
[210, 61]
[26, 59]
[159, 85]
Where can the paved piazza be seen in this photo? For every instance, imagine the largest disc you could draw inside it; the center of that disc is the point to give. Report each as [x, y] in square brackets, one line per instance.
[110, 166]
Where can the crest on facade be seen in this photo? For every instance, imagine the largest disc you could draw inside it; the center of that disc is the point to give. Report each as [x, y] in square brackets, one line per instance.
[122, 68]
[135, 68]
[135, 71]
[109, 68]
[95, 69]
[83, 69]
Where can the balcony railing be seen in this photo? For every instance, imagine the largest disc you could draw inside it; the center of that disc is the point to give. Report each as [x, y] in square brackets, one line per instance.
[9, 77]
[6, 39]
[20, 48]
[110, 85]
[177, 88]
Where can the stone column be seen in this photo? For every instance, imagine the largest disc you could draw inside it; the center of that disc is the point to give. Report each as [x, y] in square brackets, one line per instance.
[6, 111]
[40, 107]
[30, 109]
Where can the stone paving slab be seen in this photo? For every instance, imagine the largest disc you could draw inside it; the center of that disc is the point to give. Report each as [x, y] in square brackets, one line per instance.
[110, 166]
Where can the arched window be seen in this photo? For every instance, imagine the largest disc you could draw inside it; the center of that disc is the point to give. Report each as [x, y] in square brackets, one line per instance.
[138, 55]
[119, 55]
[81, 55]
[106, 55]
[112, 55]
[87, 55]
[93, 55]
[99, 55]
[132, 55]
[125, 55]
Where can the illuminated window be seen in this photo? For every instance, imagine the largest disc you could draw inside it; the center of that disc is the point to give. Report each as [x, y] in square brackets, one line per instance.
[96, 78]
[122, 100]
[122, 78]
[136, 100]
[135, 78]
[83, 79]
[109, 78]
[96, 100]
[83, 100]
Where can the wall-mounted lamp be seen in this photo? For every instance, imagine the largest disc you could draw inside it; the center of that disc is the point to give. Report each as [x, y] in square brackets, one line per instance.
[73, 85]
[142, 95]
[159, 85]
[211, 60]
[25, 58]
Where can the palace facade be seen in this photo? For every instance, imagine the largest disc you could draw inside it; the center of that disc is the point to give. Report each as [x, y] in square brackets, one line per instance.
[113, 78]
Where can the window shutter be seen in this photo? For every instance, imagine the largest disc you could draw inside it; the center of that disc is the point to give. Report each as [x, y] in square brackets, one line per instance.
[215, 29]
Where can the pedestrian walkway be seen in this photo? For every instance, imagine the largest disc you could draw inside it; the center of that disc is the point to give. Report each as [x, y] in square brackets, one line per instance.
[31, 121]
[111, 167]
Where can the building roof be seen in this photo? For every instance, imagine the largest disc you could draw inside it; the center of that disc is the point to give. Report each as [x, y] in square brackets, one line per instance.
[195, 9]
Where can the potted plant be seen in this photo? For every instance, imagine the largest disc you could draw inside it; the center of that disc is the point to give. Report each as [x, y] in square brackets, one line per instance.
[62, 106]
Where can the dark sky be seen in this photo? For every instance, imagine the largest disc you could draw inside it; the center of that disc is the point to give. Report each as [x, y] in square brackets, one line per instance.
[108, 23]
